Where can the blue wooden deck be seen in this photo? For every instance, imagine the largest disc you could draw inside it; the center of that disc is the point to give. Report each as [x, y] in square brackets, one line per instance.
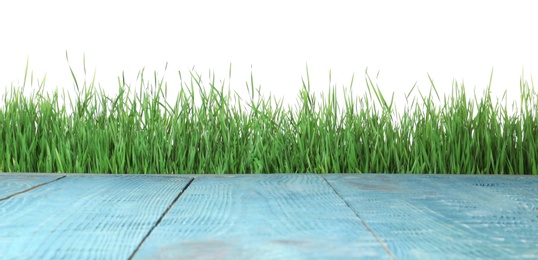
[295, 216]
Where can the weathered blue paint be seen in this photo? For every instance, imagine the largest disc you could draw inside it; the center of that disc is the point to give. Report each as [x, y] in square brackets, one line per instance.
[291, 216]
[85, 217]
[11, 184]
[456, 217]
[261, 217]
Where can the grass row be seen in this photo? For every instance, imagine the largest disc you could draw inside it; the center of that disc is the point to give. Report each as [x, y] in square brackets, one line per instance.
[139, 132]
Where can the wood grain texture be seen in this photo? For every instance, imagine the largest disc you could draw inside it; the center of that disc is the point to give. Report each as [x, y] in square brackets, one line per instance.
[85, 217]
[260, 217]
[11, 184]
[454, 217]
[521, 190]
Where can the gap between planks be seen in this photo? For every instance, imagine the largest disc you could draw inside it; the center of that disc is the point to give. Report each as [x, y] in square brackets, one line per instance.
[160, 219]
[362, 220]
[29, 189]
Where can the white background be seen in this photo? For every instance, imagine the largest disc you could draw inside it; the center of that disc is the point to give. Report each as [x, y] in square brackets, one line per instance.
[403, 40]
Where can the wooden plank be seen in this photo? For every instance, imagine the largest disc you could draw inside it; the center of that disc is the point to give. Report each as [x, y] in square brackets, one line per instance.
[522, 190]
[86, 216]
[432, 216]
[11, 184]
[260, 217]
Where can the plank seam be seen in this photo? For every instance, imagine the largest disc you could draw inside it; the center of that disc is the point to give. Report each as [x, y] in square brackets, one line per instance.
[29, 189]
[160, 219]
[362, 220]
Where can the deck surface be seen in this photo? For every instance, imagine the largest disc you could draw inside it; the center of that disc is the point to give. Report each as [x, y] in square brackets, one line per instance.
[280, 216]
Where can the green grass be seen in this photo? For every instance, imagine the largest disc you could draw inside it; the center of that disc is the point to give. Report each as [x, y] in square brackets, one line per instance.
[137, 131]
